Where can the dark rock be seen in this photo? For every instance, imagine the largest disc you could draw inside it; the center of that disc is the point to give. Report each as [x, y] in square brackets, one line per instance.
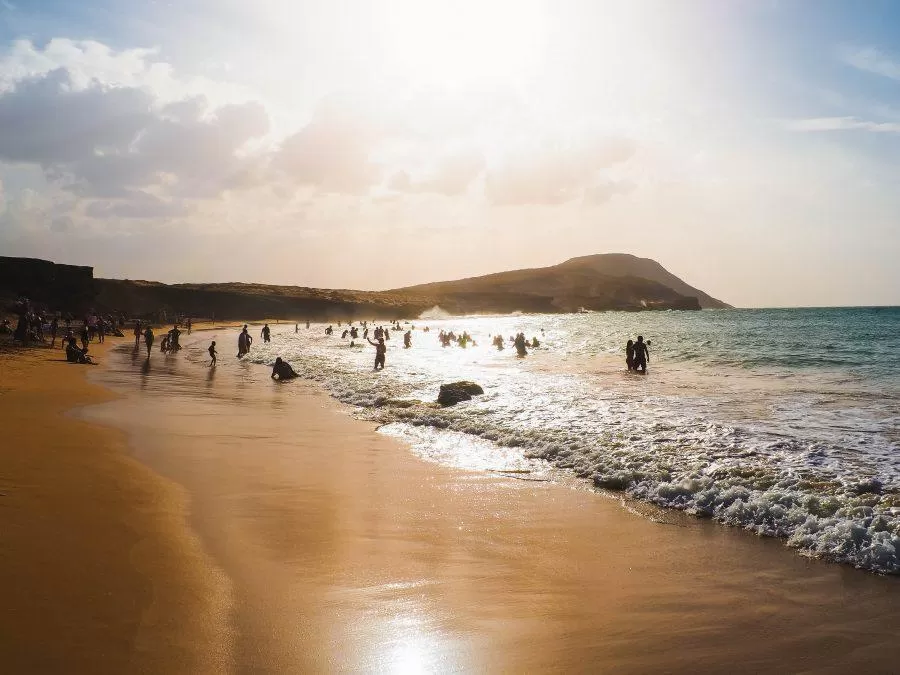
[453, 393]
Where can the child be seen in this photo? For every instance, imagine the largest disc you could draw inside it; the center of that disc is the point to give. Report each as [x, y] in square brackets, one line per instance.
[212, 353]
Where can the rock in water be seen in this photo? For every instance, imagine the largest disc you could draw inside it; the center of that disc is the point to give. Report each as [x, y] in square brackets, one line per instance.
[453, 393]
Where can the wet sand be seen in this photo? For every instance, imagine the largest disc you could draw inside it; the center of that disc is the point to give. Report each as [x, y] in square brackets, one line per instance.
[99, 573]
[346, 552]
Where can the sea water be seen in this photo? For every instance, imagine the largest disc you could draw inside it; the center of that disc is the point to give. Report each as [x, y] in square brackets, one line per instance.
[785, 422]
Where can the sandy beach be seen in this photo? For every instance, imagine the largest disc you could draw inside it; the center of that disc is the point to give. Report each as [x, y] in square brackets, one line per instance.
[212, 520]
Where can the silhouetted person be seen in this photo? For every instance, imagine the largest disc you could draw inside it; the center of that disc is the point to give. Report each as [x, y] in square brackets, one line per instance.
[519, 343]
[629, 354]
[329, 330]
[266, 333]
[189, 325]
[380, 352]
[282, 370]
[244, 342]
[641, 355]
[407, 339]
[138, 331]
[212, 353]
[148, 340]
[296, 327]
[54, 327]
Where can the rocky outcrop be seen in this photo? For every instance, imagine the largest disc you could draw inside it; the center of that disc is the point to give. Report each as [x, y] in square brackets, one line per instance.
[456, 392]
[65, 288]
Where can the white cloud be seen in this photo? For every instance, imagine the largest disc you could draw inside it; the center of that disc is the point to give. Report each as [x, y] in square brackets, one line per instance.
[840, 124]
[871, 60]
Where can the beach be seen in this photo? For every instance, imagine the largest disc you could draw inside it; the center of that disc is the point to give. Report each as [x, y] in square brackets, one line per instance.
[211, 520]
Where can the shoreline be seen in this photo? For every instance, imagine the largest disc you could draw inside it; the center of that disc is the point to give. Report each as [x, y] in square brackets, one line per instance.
[348, 551]
[104, 577]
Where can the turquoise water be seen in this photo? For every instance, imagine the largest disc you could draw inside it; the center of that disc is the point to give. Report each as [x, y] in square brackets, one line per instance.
[784, 422]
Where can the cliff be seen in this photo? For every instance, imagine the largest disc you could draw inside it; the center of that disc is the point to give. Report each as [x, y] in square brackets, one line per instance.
[67, 288]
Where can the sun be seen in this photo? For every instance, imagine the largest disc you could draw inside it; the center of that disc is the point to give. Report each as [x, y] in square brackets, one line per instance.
[455, 44]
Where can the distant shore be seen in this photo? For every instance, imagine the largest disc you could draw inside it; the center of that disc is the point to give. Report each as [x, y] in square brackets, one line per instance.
[266, 528]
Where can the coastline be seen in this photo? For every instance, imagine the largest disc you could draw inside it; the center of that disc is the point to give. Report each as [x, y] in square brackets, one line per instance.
[348, 552]
[336, 548]
[101, 574]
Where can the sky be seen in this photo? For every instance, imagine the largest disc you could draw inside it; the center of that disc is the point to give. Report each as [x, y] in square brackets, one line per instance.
[749, 146]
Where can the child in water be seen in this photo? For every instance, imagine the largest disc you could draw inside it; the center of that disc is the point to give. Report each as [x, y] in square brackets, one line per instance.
[212, 353]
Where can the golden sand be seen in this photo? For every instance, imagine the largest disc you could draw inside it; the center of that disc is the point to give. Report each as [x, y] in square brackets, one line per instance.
[345, 552]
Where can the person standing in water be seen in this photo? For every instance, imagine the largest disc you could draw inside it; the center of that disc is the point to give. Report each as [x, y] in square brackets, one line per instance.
[244, 342]
[407, 339]
[641, 355]
[212, 354]
[629, 354]
[266, 333]
[380, 352]
[148, 340]
[296, 327]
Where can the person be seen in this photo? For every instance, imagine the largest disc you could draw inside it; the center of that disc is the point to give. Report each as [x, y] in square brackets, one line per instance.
[629, 354]
[85, 337]
[307, 325]
[365, 334]
[244, 342]
[329, 330]
[266, 333]
[148, 340]
[519, 342]
[641, 355]
[189, 325]
[498, 342]
[534, 342]
[296, 327]
[76, 355]
[344, 334]
[407, 339]
[282, 370]
[380, 351]
[212, 353]
[54, 327]
[174, 344]
[137, 333]
[165, 343]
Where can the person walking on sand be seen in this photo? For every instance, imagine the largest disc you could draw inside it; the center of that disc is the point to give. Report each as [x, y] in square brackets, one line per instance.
[138, 332]
[212, 354]
[641, 355]
[266, 333]
[148, 340]
[380, 352]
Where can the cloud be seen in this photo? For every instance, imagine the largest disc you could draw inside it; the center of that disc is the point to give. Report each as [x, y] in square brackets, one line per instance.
[331, 153]
[871, 60]
[554, 174]
[113, 142]
[136, 204]
[840, 124]
[451, 177]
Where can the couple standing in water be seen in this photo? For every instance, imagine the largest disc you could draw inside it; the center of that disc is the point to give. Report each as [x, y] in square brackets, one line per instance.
[637, 354]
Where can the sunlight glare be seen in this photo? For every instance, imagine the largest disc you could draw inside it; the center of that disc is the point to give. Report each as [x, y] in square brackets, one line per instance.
[454, 44]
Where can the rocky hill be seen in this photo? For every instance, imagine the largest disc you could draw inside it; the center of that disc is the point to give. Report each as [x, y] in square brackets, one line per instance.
[601, 282]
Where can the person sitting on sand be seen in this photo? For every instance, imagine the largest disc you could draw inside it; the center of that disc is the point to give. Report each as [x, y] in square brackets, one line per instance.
[282, 370]
[148, 340]
[212, 353]
[641, 355]
[266, 333]
[76, 355]
[380, 352]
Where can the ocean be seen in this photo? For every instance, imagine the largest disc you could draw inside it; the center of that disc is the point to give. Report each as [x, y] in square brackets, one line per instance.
[785, 422]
